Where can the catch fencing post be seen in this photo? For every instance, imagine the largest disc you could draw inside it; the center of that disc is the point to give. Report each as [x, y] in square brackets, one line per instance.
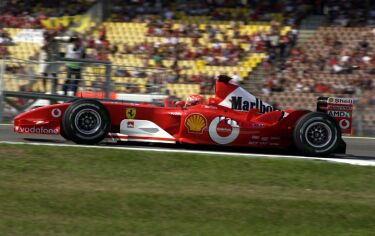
[359, 119]
[2, 72]
[108, 79]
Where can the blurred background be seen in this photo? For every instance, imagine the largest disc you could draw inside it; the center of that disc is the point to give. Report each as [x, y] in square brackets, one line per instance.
[287, 52]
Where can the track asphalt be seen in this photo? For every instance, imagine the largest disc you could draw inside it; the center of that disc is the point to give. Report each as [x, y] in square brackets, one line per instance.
[359, 149]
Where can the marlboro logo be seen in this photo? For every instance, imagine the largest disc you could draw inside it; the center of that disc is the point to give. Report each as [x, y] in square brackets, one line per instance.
[238, 103]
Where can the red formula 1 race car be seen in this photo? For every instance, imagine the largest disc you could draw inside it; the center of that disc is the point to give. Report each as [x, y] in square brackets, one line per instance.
[234, 117]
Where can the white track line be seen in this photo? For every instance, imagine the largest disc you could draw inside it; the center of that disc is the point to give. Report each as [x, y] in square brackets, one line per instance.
[245, 155]
[345, 137]
[363, 138]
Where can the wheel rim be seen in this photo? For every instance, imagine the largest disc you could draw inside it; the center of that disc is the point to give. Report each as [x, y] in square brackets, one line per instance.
[88, 121]
[318, 134]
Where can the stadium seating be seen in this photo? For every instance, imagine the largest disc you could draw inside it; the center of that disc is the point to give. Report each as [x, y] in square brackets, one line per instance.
[322, 43]
[131, 33]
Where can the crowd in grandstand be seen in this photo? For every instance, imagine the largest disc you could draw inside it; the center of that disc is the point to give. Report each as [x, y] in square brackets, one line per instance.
[221, 52]
[290, 66]
[348, 13]
[247, 11]
[30, 13]
[328, 57]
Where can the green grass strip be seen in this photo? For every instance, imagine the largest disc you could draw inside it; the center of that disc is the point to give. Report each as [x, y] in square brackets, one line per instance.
[82, 191]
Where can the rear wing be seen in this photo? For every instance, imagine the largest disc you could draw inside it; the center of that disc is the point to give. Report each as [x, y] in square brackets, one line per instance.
[231, 95]
[341, 109]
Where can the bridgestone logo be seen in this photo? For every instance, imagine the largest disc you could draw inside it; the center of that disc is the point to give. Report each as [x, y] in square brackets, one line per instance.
[341, 108]
[238, 104]
[37, 130]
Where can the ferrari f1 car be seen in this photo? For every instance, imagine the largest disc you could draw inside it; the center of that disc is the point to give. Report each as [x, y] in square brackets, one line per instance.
[234, 117]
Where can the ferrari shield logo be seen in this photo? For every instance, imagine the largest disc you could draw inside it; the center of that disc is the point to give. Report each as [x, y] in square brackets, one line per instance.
[130, 113]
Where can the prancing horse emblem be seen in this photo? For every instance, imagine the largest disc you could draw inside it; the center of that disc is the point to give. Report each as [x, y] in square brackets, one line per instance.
[130, 113]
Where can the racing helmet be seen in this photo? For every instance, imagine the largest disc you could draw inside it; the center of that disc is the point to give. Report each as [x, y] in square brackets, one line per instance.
[194, 100]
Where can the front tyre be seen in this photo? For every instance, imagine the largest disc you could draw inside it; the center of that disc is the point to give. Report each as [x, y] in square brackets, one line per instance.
[63, 134]
[316, 134]
[86, 121]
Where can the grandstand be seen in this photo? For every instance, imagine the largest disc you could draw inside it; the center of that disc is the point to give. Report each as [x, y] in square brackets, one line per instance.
[195, 41]
[133, 34]
[25, 24]
[336, 60]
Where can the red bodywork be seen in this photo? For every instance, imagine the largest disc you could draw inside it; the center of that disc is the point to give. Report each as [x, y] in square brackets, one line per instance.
[212, 123]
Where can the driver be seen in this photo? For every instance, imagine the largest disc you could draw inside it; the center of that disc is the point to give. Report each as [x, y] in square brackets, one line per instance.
[193, 100]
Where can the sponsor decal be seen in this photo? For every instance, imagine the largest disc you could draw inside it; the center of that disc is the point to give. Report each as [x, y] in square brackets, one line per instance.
[340, 100]
[253, 132]
[339, 114]
[259, 143]
[195, 123]
[238, 103]
[340, 108]
[223, 130]
[130, 124]
[37, 130]
[130, 113]
[274, 144]
[241, 100]
[258, 125]
[264, 141]
[175, 113]
[344, 124]
[209, 107]
[56, 113]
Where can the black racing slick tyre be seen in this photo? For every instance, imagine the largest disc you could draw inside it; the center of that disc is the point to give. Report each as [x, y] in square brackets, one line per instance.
[86, 121]
[316, 134]
[63, 134]
[72, 100]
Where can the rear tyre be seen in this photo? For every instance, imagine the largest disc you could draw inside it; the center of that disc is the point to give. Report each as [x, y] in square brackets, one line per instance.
[86, 121]
[316, 134]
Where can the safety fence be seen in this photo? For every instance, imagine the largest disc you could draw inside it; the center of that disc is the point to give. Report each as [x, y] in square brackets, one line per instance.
[26, 83]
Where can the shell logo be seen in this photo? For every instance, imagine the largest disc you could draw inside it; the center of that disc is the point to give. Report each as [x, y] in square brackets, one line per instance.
[195, 123]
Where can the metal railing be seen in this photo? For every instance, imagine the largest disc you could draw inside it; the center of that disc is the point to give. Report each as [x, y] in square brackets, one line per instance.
[22, 80]
[21, 84]
[2, 71]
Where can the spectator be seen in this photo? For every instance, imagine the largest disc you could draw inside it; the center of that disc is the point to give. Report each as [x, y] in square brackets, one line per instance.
[3, 51]
[48, 55]
[75, 50]
[5, 38]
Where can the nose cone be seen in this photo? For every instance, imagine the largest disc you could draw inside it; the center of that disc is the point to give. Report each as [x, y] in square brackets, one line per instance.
[43, 120]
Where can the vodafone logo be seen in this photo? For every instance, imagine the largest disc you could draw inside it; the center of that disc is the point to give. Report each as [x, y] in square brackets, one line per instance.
[36, 130]
[344, 124]
[56, 113]
[223, 130]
